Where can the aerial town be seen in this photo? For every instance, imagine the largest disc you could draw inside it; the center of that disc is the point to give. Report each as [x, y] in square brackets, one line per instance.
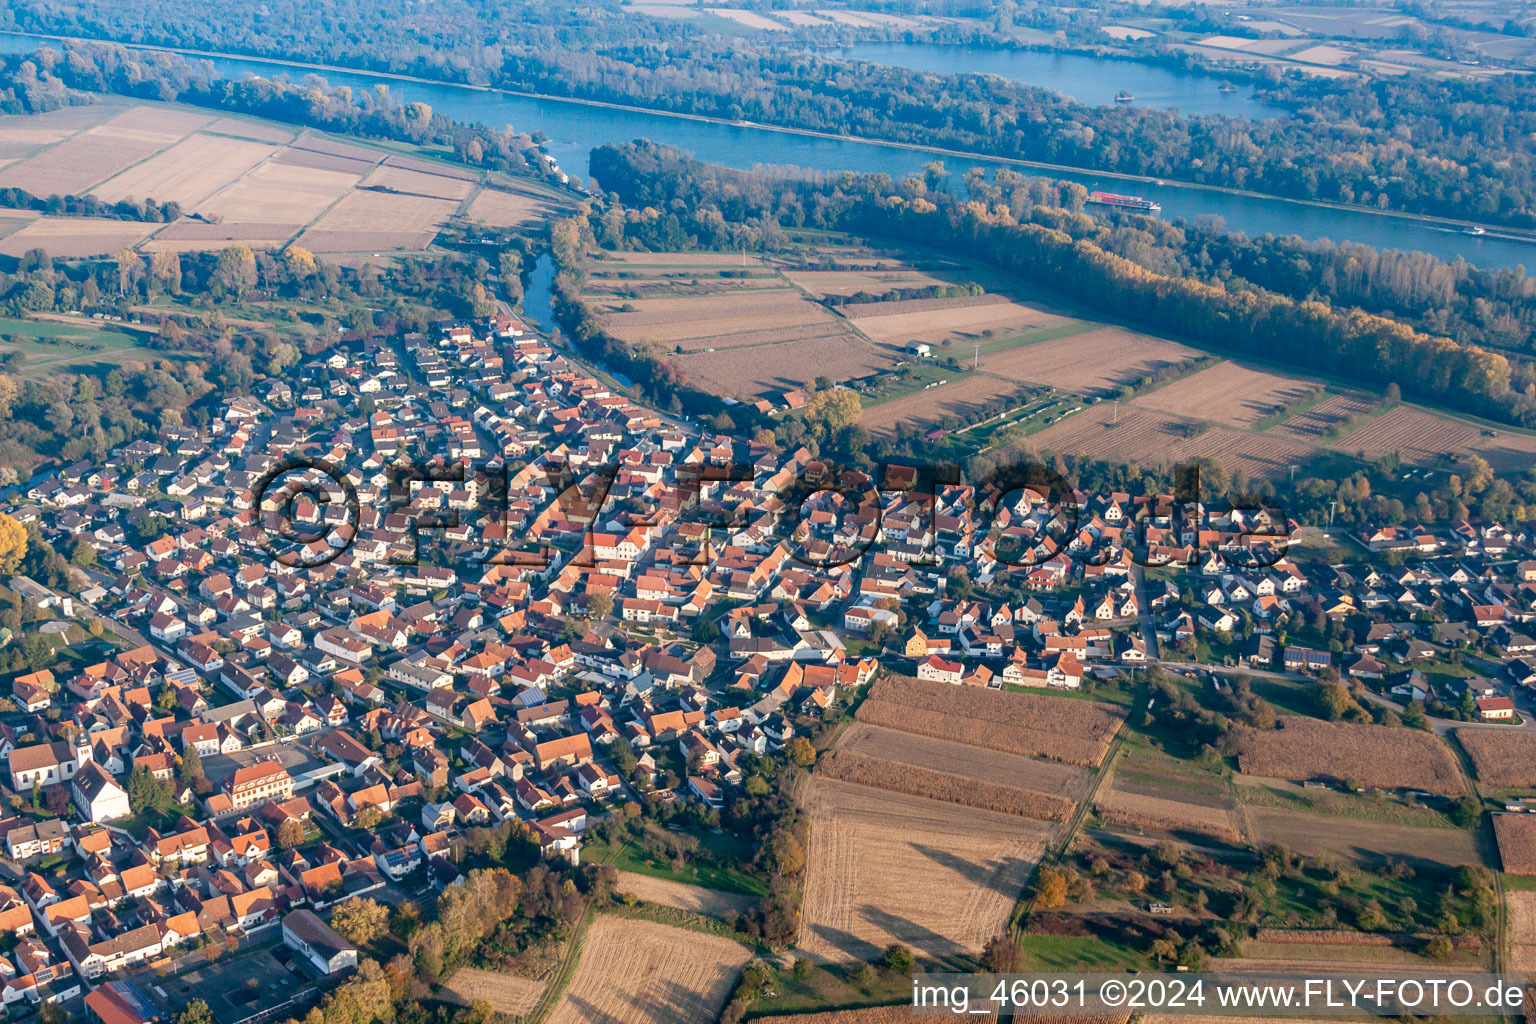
[260, 742]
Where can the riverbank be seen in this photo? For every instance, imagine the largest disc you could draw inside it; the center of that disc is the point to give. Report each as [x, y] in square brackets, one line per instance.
[1195, 188]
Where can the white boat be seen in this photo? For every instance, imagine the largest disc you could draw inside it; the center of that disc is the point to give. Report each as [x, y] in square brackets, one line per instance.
[1475, 231]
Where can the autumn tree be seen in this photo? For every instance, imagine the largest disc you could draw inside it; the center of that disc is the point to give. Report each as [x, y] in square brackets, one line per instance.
[236, 269]
[360, 920]
[13, 544]
[1051, 888]
[1001, 955]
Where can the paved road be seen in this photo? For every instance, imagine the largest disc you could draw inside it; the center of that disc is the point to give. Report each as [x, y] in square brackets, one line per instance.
[1144, 612]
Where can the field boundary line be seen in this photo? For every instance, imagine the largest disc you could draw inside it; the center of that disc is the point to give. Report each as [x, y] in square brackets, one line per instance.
[1055, 851]
[561, 979]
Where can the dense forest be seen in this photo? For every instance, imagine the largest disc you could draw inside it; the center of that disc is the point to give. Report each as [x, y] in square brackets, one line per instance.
[1341, 342]
[1495, 308]
[1459, 149]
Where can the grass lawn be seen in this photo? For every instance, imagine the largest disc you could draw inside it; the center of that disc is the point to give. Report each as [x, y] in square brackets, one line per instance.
[632, 858]
[1077, 953]
[832, 989]
[46, 347]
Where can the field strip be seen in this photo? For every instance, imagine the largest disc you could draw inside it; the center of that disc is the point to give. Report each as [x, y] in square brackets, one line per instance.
[1054, 853]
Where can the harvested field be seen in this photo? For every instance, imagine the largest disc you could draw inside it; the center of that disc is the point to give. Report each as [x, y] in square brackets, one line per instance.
[320, 144]
[191, 235]
[1257, 454]
[507, 993]
[1056, 728]
[667, 893]
[1521, 906]
[508, 209]
[53, 125]
[165, 124]
[1501, 757]
[77, 163]
[936, 325]
[1065, 782]
[352, 224]
[1229, 393]
[1517, 842]
[748, 19]
[671, 319]
[419, 183]
[1155, 438]
[822, 283]
[1508, 452]
[1313, 424]
[800, 18]
[187, 173]
[639, 972]
[1098, 361]
[370, 211]
[879, 773]
[1417, 435]
[76, 237]
[1118, 807]
[1374, 755]
[944, 881]
[957, 398]
[746, 373]
[1131, 434]
[751, 339]
[276, 193]
[273, 133]
[1365, 842]
[295, 157]
[676, 259]
[432, 167]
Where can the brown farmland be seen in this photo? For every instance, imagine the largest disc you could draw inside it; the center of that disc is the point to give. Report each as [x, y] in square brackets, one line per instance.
[745, 373]
[1521, 905]
[507, 993]
[1517, 842]
[1324, 416]
[1118, 807]
[1369, 843]
[1056, 728]
[640, 972]
[1095, 362]
[1229, 393]
[507, 209]
[1501, 757]
[957, 398]
[667, 893]
[1373, 755]
[1154, 438]
[1064, 781]
[945, 879]
[1417, 435]
[187, 173]
[72, 237]
[847, 766]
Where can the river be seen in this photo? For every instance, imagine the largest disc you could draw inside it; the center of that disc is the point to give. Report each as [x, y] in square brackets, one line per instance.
[575, 128]
[1091, 80]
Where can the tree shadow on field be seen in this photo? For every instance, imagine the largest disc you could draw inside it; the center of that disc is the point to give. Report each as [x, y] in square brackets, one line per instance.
[846, 943]
[924, 940]
[985, 874]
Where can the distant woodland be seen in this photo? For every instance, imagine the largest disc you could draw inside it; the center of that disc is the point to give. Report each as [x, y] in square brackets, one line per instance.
[1078, 258]
[1447, 148]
